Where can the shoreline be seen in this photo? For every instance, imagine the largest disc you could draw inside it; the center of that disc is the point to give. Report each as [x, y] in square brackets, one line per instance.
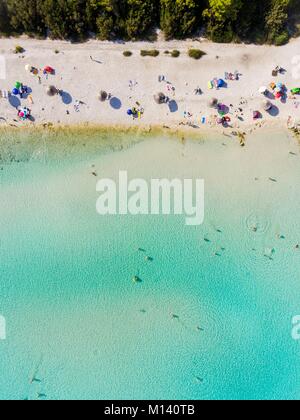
[86, 141]
[146, 130]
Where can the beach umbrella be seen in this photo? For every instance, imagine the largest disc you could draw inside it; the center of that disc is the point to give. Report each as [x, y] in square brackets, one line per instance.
[221, 83]
[222, 109]
[295, 91]
[49, 70]
[213, 103]
[263, 90]
[15, 91]
[51, 91]
[30, 69]
[216, 83]
[160, 98]
[267, 105]
[103, 96]
[18, 85]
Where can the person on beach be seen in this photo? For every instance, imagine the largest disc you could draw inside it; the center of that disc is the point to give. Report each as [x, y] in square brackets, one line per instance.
[76, 106]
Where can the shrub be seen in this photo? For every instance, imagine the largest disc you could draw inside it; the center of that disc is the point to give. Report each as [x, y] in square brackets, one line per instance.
[196, 54]
[149, 53]
[175, 54]
[282, 39]
[221, 34]
[127, 53]
[19, 50]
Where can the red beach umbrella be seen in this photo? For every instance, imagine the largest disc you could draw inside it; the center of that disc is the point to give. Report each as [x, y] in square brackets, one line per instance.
[49, 70]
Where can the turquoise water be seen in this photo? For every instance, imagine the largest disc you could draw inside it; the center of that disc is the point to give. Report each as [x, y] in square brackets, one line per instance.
[80, 327]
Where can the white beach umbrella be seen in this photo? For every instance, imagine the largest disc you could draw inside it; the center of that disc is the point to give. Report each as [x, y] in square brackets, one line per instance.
[28, 67]
[263, 90]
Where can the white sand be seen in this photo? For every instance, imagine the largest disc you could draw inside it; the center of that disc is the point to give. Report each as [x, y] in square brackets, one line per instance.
[83, 78]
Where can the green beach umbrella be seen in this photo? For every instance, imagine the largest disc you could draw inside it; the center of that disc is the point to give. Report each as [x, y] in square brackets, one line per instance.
[18, 85]
[295, 91]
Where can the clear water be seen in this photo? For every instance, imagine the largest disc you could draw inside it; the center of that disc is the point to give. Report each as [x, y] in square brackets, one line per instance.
[78, 327]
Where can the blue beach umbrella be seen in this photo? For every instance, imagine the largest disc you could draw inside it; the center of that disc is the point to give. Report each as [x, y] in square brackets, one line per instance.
[15, 91]
[221, 83]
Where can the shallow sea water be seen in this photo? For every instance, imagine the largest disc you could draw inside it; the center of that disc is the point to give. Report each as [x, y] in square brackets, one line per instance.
[79, 328]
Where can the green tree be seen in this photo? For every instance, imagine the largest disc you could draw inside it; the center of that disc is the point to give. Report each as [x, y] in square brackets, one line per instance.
[65, 18]
[250, 23]
[180, 18]
[221, 16]
[276, 22]
[5, 27]
[25, 16]
[104, 17]
[141, 17]
[226, 20]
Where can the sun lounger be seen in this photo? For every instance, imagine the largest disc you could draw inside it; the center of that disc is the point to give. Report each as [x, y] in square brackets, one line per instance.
[4, 94]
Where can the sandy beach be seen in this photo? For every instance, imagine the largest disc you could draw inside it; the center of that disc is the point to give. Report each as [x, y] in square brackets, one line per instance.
[83, 70]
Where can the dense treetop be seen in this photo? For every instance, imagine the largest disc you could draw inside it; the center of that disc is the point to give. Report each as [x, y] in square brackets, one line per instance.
[221, 20]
